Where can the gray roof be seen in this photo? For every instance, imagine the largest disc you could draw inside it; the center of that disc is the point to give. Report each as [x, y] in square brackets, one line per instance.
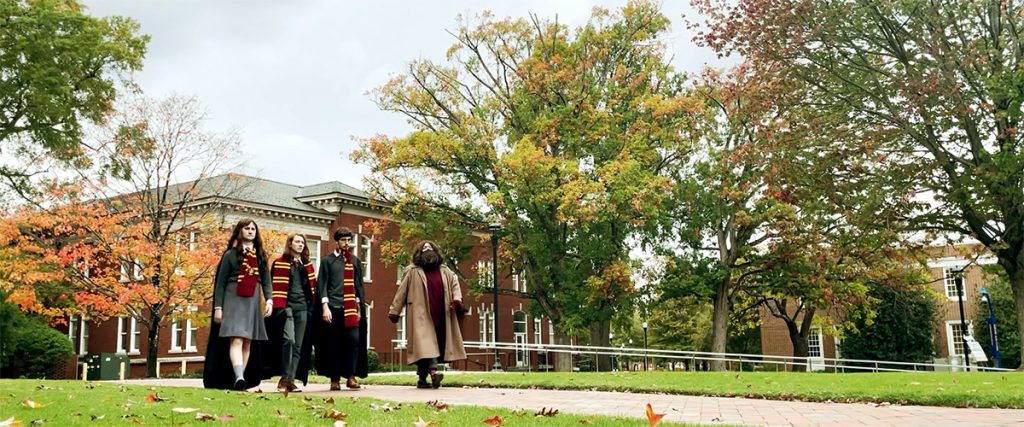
[258, 190]
[331, 187]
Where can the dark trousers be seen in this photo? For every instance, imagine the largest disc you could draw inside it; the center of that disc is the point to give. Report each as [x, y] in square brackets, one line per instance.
[291, 344]
[342, 345]
[425, 365]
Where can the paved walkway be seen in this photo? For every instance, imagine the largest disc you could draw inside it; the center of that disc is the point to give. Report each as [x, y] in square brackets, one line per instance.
[689, 409]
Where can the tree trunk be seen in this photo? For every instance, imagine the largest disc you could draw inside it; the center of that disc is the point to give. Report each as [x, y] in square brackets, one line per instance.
[1016, 276]
[720, 323]
[563, 360]
[154, 341]
[799, 350]
[599, 337]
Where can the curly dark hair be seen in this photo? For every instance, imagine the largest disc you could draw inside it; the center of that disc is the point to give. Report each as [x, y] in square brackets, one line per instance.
[428, 259]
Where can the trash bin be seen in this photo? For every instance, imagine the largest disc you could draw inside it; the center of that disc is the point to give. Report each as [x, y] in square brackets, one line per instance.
[105, 366]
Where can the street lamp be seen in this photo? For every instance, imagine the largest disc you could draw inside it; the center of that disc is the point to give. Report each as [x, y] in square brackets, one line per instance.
[644, 325]
[958, 280]
[993, 336]
[495, 229]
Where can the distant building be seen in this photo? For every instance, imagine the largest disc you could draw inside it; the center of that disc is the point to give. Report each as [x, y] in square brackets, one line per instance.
[315, 211]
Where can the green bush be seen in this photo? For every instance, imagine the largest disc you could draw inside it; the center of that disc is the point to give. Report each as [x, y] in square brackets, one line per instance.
[901, 329]
[40, 350]
[372, 361]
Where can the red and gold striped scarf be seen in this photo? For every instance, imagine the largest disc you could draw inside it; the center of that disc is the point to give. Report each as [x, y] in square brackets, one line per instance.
[248, 273]
[349, 293]
[280, 276]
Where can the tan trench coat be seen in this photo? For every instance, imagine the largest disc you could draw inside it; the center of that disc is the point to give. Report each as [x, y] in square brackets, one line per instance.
[412, 294]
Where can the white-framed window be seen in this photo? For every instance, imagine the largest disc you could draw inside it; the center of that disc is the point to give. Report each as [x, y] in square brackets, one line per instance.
[949, 276]
[135, 267]
[364, 250]
[487, 325]
[128, 335]
[399, 274]
[814, 343]
[184, 333]
[78, 333]
[519, 337]
[519, 282]
[369, 322]
[551, 332]
[537, 336]
[955, 337]
[193, 240]
[314, 253]
[483, 271]
[400, 332]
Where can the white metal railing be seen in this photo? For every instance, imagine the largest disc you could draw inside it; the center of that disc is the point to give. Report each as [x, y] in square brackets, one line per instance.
[738, 359]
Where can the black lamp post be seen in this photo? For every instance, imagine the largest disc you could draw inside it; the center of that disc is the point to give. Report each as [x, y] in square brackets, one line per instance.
[644, 325]
[495, 229]
[959, 281]
[993, 335]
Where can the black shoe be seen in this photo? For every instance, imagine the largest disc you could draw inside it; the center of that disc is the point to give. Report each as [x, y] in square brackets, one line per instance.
[423, 384]
[435, 379]
[240, 384]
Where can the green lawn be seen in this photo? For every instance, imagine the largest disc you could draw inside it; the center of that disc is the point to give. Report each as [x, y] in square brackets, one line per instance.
[969, 389]
[71, 403]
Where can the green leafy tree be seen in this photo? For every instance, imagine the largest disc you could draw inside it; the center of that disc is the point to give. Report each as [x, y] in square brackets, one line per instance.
[562, 136]
[60, 69]
[1006, 315]
[920, 97]
[900, 329]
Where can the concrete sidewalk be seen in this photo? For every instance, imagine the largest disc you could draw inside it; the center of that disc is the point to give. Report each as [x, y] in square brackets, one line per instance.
[689, 409]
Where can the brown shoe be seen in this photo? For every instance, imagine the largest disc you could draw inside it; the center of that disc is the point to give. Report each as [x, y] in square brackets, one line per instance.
[282, 385]
[293, 388]
[352, 383]
[335, 386]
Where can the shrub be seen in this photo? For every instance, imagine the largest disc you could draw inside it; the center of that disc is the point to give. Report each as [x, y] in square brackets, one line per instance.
[40, 350]
[372, 361]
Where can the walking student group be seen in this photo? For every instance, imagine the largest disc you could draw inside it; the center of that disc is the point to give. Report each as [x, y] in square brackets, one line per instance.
[289, 309]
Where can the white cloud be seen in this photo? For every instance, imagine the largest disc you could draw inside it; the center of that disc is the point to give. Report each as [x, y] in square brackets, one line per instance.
[292, 76]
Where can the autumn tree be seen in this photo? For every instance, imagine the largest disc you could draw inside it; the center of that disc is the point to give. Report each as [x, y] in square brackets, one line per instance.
[930, 90]
[126, 234]
[60, 69]
[563, 136]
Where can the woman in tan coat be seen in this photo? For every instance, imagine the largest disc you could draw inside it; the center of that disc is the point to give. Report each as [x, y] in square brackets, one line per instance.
[432, 298]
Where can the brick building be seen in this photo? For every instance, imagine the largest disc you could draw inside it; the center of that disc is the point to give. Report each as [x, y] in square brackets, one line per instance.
[315, 211]
[944, 263]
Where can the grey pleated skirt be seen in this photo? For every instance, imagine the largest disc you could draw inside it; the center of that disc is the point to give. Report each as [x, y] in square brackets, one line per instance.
[242, 317]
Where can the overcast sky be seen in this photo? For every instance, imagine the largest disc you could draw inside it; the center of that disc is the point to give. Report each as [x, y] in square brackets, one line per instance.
[292, 76]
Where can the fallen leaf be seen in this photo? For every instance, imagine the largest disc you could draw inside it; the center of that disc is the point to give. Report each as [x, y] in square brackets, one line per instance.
[328, 400]
[10, 422]
[246, 403]
[202, 416]
[653, 418]
[584, 421]
[43, 387]
[438, 405]
[335, 414]
[38, 422]
[226, 417]
[494, 421]
[420, 423]
[545, 412]
[31, 404]
[339, 424]
[97, 417]
[282, 416]
[153, 397]
[185, 410]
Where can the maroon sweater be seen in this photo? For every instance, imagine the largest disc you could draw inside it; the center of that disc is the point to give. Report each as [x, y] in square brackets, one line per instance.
[435, 295]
